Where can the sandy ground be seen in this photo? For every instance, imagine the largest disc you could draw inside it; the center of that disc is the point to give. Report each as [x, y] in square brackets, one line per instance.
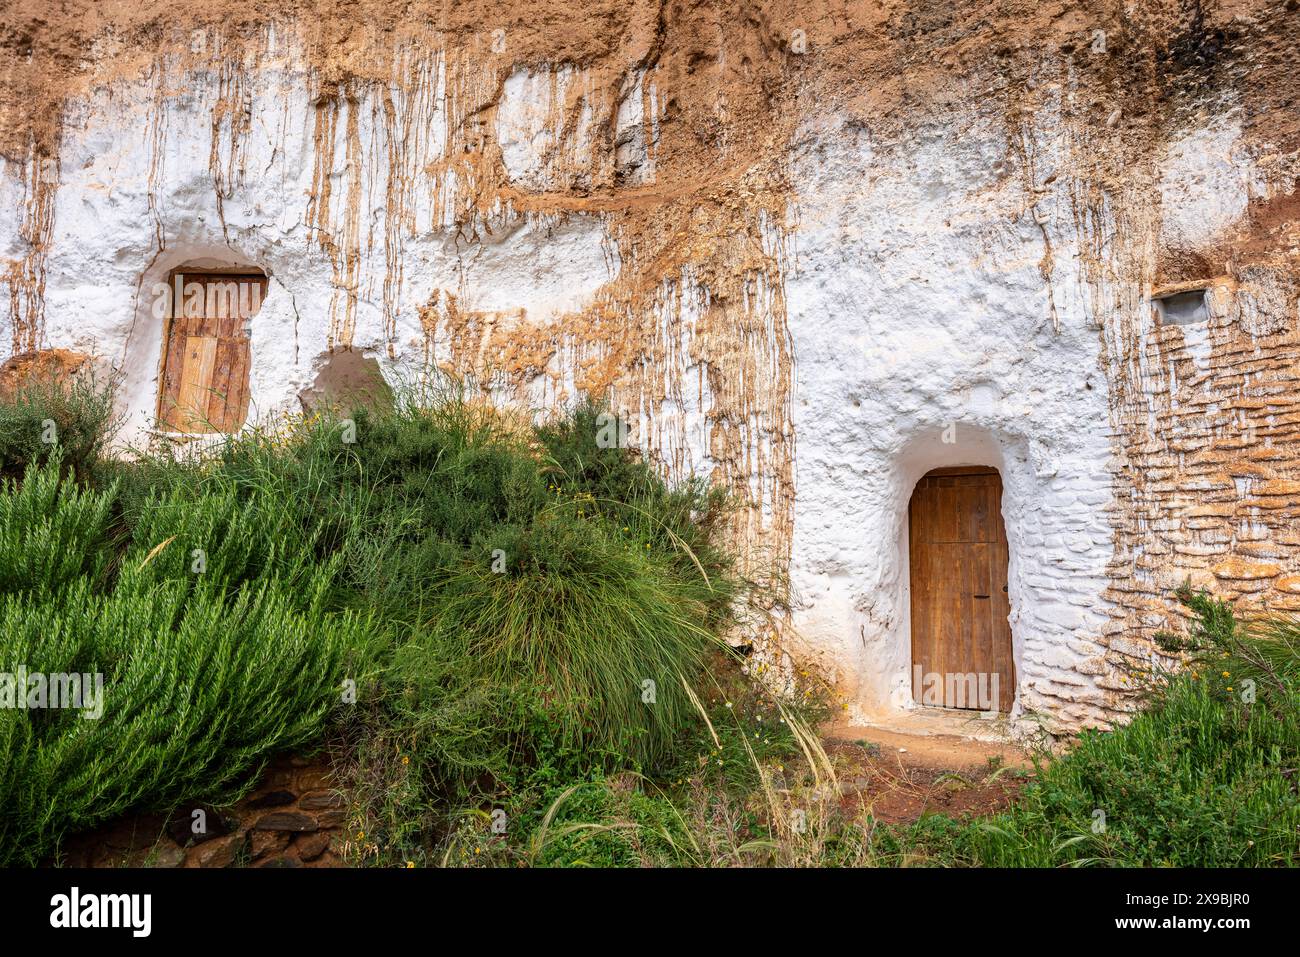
[936, 739]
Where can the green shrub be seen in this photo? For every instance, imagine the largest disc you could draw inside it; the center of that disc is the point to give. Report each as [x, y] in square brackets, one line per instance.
[204, 675]
[209, 532]
[1265, 653]
[514, 590]
[43, 418]
[199, 690]
[528, 619]
[52, 533]
[1198, 778]
[528, 615]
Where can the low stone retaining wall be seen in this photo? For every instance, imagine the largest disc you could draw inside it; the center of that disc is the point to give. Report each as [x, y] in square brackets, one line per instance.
[294, 818]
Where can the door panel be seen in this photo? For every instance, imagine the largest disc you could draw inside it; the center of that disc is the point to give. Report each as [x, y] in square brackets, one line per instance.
[960, 607]
[206, 352]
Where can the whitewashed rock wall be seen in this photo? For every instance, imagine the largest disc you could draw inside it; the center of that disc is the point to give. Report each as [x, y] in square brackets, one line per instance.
[939, 304]
[924, 337]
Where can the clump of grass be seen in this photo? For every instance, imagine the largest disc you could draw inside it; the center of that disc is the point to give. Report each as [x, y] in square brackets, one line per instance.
[1203, 775]
[684, 522]
[585, 626]
[741, 789]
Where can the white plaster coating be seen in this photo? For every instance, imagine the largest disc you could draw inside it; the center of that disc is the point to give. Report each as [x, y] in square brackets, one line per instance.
[1205, 185]
[104, 259]
[541, 146]
[911, 316]
[916, 303]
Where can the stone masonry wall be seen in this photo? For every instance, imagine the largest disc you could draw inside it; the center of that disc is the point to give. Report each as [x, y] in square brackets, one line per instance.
[1211, 488]
[294, 817]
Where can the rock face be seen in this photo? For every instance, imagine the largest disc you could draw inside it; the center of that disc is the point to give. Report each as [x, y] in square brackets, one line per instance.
[813, 250]
[24, 368]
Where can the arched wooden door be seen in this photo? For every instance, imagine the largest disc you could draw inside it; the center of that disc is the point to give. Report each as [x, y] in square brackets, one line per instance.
[204, 380]
[961, 635]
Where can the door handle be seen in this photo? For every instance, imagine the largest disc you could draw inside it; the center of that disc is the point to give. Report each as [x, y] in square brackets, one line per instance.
[981, 596]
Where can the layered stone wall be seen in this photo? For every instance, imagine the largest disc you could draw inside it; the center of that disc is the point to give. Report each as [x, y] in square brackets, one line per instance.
[293, 817]
[1211, 431]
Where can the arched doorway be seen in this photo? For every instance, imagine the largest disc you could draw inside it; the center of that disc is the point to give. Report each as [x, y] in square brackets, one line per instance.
[961, 635]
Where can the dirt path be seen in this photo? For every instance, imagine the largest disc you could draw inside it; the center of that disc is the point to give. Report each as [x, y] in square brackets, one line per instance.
[898, 776]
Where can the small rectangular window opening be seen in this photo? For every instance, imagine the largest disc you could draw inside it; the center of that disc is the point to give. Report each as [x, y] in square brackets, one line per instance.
[1183, 308]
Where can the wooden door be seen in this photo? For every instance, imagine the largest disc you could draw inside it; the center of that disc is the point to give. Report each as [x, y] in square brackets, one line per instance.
[961, 635]
[206, 356]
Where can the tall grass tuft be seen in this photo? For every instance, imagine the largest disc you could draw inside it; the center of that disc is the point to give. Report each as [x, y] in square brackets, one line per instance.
[585, 629]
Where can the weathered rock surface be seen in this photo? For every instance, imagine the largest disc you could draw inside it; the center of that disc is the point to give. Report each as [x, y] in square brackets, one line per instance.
[814, 250]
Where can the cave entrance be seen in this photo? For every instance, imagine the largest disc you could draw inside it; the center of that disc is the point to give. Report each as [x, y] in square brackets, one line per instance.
[961, 632]
[206, 353]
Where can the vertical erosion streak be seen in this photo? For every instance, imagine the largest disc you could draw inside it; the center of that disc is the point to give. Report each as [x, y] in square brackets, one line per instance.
[750, 379]
[340, 240]
[231, 121]
[25, 277]
[406, 112]
[717, 326]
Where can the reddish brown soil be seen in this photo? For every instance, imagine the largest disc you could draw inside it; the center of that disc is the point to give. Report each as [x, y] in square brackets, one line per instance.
[934, 774]
[27, 367]
[876, 57]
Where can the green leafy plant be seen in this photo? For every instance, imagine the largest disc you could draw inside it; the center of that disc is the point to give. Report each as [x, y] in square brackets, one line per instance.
[44, 418]
[521, 607]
